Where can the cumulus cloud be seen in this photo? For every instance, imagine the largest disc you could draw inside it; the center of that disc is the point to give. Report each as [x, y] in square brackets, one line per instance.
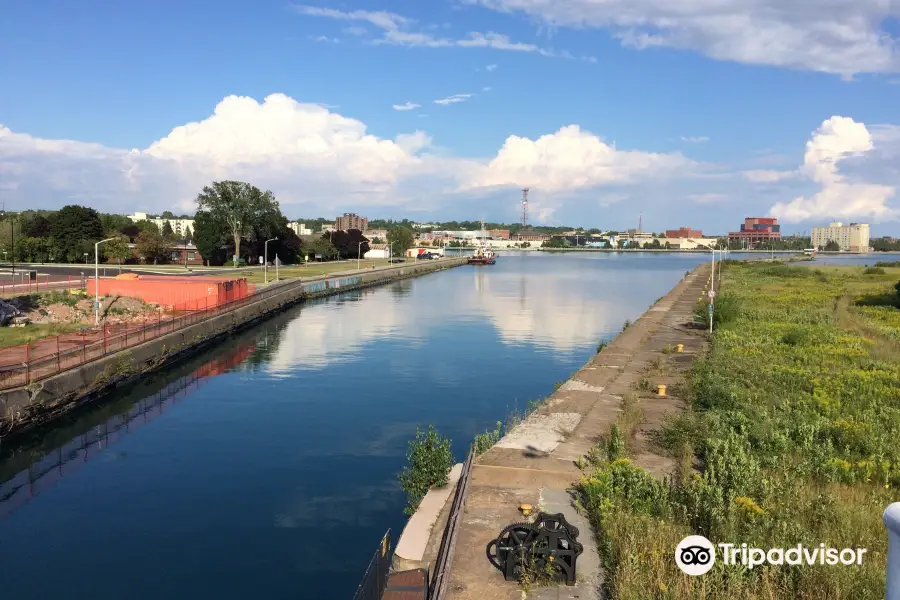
[837, 36]
[402, 31]
[837, 140]
[318, 161]
[406, 106]
[571, 159]
[454, 99]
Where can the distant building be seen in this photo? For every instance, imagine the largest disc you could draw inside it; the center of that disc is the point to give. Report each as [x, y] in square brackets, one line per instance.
[177, 253]
[757, 229]
[499, 234]
[636, 235]
[529, 236]
[300, 228]
[377, 251]
[849, 238]
[326, 228]
[381, 234]
[351, 221]
[684, 232]
[179, 226]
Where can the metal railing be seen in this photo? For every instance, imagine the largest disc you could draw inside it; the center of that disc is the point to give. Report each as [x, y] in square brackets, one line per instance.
[376, 577]
[440, 575]
[45, 357]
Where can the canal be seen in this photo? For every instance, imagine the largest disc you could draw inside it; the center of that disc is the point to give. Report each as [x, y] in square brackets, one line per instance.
[266, 467]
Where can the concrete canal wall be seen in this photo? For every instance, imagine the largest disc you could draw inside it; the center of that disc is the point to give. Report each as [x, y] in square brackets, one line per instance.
[25, 407]
[537, 461]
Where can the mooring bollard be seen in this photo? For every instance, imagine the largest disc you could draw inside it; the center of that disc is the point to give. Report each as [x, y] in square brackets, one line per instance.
[661, 389]
[679, 347]
[891, 520]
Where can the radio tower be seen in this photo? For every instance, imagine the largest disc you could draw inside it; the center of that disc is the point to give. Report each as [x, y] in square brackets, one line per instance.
[640, 222]
[525, 208]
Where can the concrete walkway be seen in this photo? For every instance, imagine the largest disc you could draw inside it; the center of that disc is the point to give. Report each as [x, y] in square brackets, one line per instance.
[535, 463]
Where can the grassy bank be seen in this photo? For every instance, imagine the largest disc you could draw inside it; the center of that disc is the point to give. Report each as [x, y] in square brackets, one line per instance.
[791, 437]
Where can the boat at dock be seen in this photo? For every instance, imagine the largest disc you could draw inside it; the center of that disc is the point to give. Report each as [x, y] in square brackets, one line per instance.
[484, 254]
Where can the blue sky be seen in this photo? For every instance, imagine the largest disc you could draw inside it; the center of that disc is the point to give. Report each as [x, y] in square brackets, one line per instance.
[691, 112]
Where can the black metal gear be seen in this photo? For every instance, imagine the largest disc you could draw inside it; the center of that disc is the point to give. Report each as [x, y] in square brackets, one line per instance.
[513, 538]
[548, 547]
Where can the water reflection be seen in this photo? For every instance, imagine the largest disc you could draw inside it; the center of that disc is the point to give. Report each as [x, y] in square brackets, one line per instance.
[42, 469]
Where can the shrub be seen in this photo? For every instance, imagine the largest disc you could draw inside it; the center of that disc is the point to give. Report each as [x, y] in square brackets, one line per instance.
[484, 441]
[430, 461]
[725, 309]
[600, 347]
[874, 271]
[888, 263]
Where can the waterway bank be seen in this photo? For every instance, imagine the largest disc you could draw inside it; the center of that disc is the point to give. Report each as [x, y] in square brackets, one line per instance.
[39, 403]
[539, 460]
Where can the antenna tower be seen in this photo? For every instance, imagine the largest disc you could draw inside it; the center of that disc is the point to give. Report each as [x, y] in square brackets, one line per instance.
[640, 222]
[525, 208]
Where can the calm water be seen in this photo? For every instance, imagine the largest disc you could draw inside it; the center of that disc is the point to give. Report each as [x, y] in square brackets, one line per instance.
[266, 467]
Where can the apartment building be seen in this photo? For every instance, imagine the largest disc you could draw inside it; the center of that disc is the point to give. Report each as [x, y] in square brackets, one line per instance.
[351, 221]
[849, 238]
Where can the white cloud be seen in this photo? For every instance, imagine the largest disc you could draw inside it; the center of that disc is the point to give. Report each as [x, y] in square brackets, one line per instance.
[710, 198]
[768, 175]
[837, 140]
[399, 30]
[835, 36]
[325, 39]
[571, 159]
[694, 140]
[486, 88]
[454, 99]
[406, 106]
[490, 68]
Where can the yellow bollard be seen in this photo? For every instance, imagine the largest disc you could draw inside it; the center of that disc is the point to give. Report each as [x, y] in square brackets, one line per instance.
[679, 347]
[525, 508]
[661, 389]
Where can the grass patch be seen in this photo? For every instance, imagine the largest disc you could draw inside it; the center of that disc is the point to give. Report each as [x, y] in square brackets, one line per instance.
[790, 438]
[13, 336]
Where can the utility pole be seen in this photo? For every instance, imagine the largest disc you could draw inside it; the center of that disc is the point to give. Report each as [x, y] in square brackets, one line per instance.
[97, 280]
[266, 259]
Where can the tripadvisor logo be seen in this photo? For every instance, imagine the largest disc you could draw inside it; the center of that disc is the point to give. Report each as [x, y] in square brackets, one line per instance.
[696, 555]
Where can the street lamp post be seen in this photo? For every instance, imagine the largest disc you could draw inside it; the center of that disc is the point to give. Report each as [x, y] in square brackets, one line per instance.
[391, 254]
[266, 258]
[97, 279]
[359, 254]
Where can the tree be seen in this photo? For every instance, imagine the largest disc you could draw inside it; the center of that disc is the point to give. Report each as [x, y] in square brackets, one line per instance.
[75, 229]
[118, 250]
[348, 245]
[289, 247]
[237, 204]
[148, 226]
[114, 222]
[167, 231]
[555, 242]
[188, 234]
[656, 244]
[131, 231]
[152, 247]
[832, 246]
[323, 247]
[167, 214]
[209, 237]
[37, 226]
[401, 238]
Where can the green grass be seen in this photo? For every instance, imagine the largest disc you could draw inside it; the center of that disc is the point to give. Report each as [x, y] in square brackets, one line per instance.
[13, 336]
[791, 437]
[256, 275]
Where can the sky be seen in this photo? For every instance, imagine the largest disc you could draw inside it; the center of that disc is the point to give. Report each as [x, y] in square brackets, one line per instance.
[674, 112]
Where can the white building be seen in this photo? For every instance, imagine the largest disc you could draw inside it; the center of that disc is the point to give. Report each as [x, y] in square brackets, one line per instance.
[299, 228]
[377, 251]
[850, 238]
[179, 226]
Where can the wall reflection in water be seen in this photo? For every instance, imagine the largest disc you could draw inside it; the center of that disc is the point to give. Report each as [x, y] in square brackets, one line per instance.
[45, 468]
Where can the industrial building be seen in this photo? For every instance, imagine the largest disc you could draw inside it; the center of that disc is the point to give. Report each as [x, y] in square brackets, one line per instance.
[849, 238]
[683, 232]
[175, 292]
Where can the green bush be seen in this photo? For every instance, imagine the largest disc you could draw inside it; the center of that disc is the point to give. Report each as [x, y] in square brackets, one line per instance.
[888, 263]
[484, 441]
[874, 271]
[430, 461]
[725, 309]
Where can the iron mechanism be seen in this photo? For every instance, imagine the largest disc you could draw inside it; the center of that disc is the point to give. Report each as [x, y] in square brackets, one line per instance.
[546, 547]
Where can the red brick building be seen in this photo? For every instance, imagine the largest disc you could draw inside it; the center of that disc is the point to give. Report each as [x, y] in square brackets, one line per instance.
[684, 232]
[499, 234]
[757, 229]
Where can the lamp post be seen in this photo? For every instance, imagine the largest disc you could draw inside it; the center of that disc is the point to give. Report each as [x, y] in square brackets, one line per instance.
[359, 254]
[266, 258]
[97, 279]
[391, 254]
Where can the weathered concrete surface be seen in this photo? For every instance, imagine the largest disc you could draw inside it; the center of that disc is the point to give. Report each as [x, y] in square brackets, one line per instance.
[25, 407]
[536, 462]
[414, 541]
